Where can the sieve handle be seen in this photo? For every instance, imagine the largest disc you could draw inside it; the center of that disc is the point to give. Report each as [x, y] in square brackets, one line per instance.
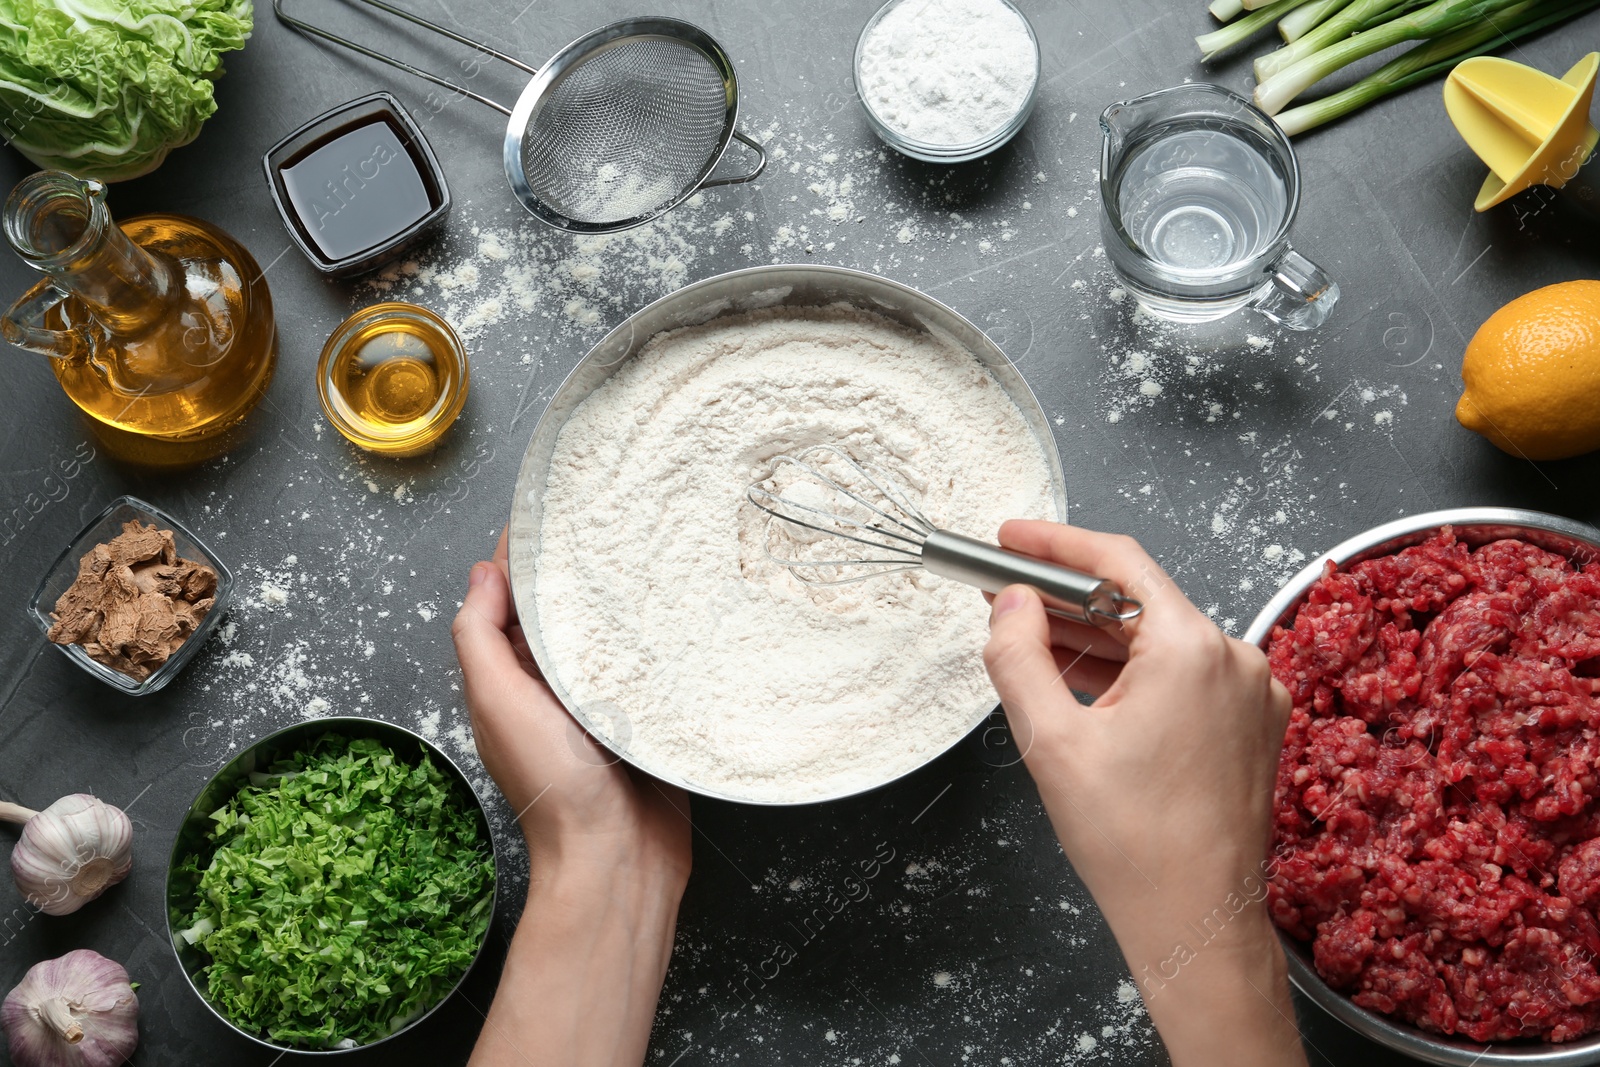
[1067, 594]
[318, 31]
[740, 179]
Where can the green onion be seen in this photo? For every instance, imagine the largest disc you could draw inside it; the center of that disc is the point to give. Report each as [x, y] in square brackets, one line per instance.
[1225, 10]
[1335, 29]
[1302, 20]
[1439, 17]
[1232, 35]
[1404, 7]
[1429, 60]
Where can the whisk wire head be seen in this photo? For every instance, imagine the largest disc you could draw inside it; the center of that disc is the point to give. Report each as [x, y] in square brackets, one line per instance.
[865, 506]
[891, 525]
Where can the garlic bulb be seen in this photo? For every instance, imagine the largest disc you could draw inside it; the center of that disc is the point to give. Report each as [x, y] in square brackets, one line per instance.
[76, 1011]
[70, 852]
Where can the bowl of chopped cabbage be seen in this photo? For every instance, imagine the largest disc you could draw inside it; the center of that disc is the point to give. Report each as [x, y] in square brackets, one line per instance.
[331, 885]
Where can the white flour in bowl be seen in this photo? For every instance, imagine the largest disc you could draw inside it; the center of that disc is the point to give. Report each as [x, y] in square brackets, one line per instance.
[675, 635]
[948, 72]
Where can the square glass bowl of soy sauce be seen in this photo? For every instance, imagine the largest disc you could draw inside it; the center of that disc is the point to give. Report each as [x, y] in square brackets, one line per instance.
[357, 186]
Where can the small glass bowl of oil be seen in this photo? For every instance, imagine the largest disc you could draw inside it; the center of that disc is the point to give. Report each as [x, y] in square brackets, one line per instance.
[393, 378]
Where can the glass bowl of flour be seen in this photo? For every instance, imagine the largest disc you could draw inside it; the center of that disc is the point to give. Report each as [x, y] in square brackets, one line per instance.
[947, 81]
[639, 567]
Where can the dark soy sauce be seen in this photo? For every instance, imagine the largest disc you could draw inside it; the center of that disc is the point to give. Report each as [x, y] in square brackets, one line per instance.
[358, 189]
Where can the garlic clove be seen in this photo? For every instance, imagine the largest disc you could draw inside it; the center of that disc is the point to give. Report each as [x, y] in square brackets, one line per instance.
[75, 1011]
[71, 852]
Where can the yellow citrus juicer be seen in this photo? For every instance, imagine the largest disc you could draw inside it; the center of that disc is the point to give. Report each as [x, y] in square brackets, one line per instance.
[1529, 127]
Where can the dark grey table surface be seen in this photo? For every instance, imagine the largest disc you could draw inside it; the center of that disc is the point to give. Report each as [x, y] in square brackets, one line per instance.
[1233, 452]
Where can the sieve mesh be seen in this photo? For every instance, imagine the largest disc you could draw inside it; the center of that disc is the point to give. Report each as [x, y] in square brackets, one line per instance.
[627, 131]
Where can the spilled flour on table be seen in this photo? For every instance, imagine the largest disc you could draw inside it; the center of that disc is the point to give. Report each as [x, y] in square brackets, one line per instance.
[850, 205]
[884, 928]
[1249, 399]
[348, 622]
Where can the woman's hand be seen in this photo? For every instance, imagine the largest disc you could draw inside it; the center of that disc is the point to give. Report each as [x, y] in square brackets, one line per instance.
[1161, 791]
[608, 856]
[573, 798]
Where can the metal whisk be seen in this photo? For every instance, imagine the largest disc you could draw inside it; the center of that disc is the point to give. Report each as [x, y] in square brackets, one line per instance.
[876, 512]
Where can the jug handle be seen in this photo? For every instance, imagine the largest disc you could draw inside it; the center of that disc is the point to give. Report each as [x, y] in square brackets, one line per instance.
[19, 326]
[1298, 294]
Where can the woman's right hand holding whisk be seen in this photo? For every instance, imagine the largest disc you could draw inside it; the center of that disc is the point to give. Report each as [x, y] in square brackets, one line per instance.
[1160, 790]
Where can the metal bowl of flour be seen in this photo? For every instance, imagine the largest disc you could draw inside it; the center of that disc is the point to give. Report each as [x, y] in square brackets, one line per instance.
[744, 290]
[1476, 526]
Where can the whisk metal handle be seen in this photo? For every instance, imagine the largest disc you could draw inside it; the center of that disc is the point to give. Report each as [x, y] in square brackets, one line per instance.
[1067, 593]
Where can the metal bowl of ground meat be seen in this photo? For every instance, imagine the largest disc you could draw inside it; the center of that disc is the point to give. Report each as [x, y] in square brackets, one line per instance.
[1435, 873]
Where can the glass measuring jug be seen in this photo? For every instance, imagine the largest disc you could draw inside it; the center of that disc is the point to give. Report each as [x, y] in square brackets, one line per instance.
[1198, 190]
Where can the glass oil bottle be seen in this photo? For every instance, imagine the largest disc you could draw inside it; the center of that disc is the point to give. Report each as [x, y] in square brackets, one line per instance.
[158, 329]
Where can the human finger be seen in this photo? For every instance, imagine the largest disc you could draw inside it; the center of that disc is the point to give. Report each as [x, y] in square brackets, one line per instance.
[497, 673]
[1113, 556]
[1281, 703]
[511, 708]
[479, 628]
[1109, 642]
[1022, 665]
[519, 640]
[502, 561]
[1084, 673]
[519, 644]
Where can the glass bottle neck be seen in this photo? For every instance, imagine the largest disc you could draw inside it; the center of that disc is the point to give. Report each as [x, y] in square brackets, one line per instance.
[60, 225]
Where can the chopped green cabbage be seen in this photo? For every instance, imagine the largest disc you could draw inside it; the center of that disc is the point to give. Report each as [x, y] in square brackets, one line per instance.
[106, 88]
[348, 891]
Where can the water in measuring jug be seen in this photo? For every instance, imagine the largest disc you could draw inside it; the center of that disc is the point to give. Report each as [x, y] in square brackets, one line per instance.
[1199, 195]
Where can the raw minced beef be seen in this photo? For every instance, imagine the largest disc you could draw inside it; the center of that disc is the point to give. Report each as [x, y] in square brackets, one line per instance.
[1437, 839]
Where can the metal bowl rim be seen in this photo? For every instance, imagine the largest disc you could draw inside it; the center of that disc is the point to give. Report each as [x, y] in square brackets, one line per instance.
[527, 610]
[1410, 1040]
[332, 722]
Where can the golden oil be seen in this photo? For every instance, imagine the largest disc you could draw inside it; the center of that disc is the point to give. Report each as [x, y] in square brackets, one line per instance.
[160, 327]
[393, 378]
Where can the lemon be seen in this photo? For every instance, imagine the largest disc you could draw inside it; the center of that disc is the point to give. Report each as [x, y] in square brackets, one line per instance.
[1532, 374]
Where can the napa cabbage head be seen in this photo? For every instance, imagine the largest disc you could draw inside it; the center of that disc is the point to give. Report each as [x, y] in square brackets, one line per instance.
[106, 88]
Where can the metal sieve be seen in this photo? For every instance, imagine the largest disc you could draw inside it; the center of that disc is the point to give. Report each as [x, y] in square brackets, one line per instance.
[619, 127]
